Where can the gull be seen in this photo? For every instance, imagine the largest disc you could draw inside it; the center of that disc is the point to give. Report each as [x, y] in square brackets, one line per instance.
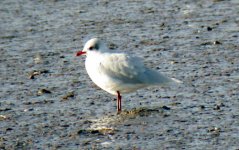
[118, 73]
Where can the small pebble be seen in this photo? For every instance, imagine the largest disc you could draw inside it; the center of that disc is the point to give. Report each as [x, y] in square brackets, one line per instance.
[162, 24]
[216, 42]
[217, 107]
[173, 62]
[112, 46]
[202, 107]
[68, 95]
[165, 37]
[166, 107]
[92, 103]
[214, 130]
[30, 109]
[9, 129]
[209, 28]
[38, 59]
[35, 73]
[43, 91]
[2, 117]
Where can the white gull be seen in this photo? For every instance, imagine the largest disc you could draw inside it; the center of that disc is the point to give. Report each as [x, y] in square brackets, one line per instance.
[118, 73]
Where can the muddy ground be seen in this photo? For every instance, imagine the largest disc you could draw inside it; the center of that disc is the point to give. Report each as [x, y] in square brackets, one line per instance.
[49, 102]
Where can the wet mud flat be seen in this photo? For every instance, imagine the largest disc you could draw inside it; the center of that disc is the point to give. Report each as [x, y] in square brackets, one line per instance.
[47, 100]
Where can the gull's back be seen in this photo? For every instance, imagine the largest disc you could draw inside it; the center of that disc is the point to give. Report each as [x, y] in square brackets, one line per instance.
[130, 69]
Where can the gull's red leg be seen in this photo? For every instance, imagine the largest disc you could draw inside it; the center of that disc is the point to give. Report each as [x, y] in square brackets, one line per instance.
[118, 102]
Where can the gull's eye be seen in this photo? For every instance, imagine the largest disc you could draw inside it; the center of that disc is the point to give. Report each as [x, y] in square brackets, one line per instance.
[91, 48]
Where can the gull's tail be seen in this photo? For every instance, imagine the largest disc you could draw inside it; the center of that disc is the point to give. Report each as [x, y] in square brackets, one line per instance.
[153, 77]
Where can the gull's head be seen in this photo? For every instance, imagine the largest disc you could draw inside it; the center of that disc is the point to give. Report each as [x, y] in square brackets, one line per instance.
[90, 46]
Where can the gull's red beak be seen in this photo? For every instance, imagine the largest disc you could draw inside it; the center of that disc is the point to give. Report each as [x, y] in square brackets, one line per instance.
[80, 53]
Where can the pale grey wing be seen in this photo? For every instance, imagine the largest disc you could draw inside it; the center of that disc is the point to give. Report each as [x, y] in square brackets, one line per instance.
[128, 69]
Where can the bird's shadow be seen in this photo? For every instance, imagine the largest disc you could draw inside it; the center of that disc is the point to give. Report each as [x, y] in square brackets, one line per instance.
[109, 124]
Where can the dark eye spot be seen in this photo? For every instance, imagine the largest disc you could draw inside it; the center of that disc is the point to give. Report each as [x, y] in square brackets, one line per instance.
[91, 48]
